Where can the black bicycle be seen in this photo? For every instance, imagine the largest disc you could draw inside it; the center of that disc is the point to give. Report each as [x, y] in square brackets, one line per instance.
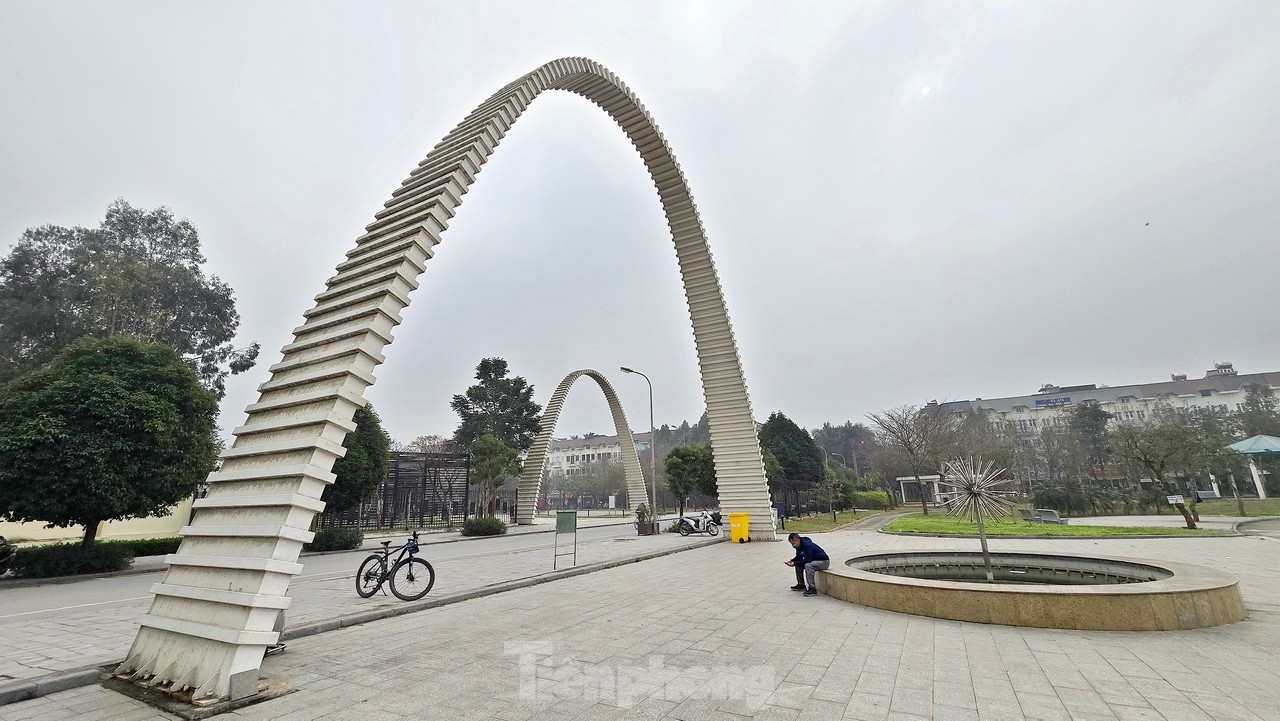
[411, 577]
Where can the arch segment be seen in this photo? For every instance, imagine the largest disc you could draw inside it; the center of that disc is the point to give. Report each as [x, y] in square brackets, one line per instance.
[212, 615]
[531, 476]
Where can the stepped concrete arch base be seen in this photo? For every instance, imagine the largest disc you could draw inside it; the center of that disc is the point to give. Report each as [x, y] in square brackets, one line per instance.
[213, 614]
[531, 476]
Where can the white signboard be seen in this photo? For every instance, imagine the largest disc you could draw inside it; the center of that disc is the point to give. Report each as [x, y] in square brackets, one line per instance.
[613, 501]
[1175, 500]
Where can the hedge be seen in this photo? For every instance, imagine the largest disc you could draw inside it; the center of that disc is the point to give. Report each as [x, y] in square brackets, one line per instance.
[67, 559]
[149, 546]
[335, 539]
[483, 526]
[871, 500]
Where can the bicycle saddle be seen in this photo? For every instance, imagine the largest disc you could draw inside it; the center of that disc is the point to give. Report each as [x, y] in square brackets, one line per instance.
[386, 543]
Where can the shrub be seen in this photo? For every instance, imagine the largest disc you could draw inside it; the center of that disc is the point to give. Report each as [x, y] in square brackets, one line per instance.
[483, 526]
[67, 559]
[335, 539]
[873, 500]
[715, 518]
[149, 546]
[674, 527]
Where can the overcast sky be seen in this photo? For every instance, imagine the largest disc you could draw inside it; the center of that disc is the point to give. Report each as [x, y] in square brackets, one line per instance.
[906, 201]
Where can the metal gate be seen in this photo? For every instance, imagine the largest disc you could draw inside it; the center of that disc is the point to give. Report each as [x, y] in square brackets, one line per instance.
[422, 490]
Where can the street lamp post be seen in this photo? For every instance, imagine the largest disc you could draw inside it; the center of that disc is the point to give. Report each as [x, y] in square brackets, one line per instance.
[842, 458]
[653, 450]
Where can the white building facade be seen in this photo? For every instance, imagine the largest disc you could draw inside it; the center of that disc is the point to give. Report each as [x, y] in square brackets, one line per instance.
[1222, 387]
[567, 455]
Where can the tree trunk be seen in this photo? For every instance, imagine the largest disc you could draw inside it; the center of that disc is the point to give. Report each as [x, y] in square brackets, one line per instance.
[1182, 507]
[924, 504]
[1235, 491]
[90, 532]
[1195, 498]
[1186, 515]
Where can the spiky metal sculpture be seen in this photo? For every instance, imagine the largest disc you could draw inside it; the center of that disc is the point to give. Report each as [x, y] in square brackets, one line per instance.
[975, 485]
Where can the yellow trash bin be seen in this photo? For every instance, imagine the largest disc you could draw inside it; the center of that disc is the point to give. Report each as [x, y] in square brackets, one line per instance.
[739, 531]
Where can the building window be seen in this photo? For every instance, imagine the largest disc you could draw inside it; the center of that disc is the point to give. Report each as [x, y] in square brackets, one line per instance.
[1206, 393]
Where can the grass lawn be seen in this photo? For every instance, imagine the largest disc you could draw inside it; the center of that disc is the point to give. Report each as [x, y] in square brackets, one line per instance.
[1228, 507]
[823, 522]
[941, 523]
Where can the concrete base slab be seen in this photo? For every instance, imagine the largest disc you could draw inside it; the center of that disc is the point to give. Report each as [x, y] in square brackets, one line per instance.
[268, 689]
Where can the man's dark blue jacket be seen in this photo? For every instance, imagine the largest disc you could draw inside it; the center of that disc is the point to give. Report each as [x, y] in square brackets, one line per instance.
[809, 551]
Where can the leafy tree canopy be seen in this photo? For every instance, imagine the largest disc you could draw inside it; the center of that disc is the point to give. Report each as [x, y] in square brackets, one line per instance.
[109, 429]
[795, 451]
[138, 274]
[689, 469]
[1260, 412]
[492, 461]
[362, 471]
[499, 406]
[1088, 423]
[853, 441]
[772, 470]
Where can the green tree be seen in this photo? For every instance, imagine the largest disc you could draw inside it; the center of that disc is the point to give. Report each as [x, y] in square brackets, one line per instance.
[772, 470]
[1260, 412]
[1087, 424]
[498, 406]
[689, 469]
[110, 429]
[796, 453]
[1159, 445]
[492, 462]
[852, 441]
[139, 274]
[363, 470]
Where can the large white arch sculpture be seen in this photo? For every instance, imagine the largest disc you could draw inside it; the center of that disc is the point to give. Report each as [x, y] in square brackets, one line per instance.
[531, 475]
[212, 615]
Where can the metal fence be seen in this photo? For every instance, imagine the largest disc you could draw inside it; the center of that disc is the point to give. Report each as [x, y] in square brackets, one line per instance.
[422, 490]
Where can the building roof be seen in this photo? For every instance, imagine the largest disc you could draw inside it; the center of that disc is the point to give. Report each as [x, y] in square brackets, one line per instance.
[570, 444]
[1221, 379]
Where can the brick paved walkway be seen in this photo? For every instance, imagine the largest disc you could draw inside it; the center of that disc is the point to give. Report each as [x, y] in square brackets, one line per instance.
[714, 634]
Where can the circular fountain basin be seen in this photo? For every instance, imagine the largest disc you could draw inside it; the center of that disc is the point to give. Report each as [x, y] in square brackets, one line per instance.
[1040, 590]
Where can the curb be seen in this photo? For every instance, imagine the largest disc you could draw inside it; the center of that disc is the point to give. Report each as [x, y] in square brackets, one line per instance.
[28, 582]
[88, 675]
[45, 685]
[1223, 534]
[853, 525]
[1251, 521]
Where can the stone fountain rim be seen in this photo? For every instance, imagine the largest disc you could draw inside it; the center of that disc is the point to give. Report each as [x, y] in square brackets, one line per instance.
[1186, 577]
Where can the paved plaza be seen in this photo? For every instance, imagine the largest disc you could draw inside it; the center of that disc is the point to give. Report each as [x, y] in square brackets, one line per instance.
[87, 630]
[714, 634]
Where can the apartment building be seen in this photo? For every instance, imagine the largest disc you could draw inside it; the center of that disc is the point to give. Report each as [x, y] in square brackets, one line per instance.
[1221, 387]
[567, 455]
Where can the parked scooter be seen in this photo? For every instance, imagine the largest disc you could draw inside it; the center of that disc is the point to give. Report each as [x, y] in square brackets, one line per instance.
[699, 524]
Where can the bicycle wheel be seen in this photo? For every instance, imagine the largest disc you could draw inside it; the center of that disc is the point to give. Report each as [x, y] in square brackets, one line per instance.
[369, 577]
[411, 578]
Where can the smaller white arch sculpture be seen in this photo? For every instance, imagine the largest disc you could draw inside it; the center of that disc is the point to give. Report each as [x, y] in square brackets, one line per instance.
[531, 476]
